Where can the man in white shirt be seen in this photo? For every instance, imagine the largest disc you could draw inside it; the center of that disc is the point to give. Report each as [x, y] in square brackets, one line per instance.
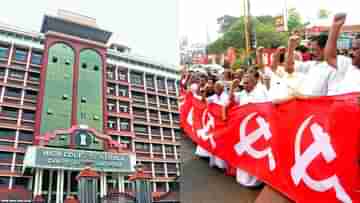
[319, 75]
[250, 94]
[348, 70]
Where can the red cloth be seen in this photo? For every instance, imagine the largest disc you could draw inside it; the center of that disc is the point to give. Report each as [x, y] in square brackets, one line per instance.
[306, 149]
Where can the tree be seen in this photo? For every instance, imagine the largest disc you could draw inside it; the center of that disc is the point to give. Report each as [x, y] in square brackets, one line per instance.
[266, 35]
[294, 20]
[323, 14]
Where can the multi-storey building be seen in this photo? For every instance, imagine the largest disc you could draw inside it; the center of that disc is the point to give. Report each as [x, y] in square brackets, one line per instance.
[68, 99]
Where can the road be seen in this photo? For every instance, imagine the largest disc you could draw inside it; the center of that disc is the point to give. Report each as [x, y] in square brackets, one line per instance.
[202, 184]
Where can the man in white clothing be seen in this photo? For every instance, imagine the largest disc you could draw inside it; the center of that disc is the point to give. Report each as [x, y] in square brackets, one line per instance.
[250, 94]
[318, 74]
[348, 70]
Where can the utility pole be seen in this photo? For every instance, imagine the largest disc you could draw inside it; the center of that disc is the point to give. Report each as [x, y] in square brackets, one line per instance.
[246, 26]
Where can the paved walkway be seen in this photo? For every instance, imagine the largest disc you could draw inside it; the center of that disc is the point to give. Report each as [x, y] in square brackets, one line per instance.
[202, 184]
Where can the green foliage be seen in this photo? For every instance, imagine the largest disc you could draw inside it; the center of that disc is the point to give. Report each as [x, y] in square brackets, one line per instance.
[294, 20]
[266, 35]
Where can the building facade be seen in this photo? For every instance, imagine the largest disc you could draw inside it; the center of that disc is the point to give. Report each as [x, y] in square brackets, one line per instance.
[69, 100]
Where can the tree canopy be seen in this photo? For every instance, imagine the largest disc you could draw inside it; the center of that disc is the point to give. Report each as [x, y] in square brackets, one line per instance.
[266, 34]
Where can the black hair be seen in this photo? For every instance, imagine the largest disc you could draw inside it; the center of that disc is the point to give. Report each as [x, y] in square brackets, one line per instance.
[253, 70]
[320, 40]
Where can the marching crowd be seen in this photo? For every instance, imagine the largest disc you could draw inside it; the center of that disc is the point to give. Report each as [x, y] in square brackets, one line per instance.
[290, 76]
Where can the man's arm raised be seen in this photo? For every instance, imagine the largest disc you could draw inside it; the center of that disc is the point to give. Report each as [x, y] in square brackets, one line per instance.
[331, 44]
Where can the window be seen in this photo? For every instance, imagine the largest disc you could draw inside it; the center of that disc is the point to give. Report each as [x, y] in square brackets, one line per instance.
[150, 81]
[111, 105]
[26, 136]
[163, 100]
[35, 77]
[123, 91]
[112, 123]
[17, 74]
[155, 131]
[6, 156]
[4, 181]
[9, 112]
[122, 74]
[21, 181]
[36, 58]
[171, 85]
[141, 129]
[157, 148]
[165, 116]
[111, 89]
[20, 55]
[2, 71]
[124, 108]
[124, 124]
[173, 102]
[28, 115]
[142, 147]
[160, 83]
[19, 158]
[7, 134]
[110, 75]
[4, 52]
[29, 94]
[169, 149]
[13, 92]
[167, 132]
[136, 79]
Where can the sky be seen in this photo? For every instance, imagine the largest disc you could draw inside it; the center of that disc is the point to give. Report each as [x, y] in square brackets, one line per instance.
[198, 17]
[148, 27]
[153, 27]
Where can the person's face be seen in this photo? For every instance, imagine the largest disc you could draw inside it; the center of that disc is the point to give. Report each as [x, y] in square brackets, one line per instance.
[249, 82]
[218, 88]
[316, 52]
[203, 81]
[210, 84]
[355, 52]
[238, 75]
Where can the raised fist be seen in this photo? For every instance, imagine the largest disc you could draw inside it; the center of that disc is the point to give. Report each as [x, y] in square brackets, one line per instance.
[294, 41]
[339, 19]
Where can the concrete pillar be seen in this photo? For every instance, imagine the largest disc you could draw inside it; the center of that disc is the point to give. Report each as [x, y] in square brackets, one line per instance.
[50, 185]
[121, 183]
[36, 184]
[41, 173]
[68, 189]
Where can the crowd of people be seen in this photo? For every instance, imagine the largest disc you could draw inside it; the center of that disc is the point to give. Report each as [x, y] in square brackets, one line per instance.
[293, 74]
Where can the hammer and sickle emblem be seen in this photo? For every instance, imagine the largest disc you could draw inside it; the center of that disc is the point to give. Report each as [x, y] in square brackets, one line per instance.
[320, 146]
[208, 123]
[245, 144]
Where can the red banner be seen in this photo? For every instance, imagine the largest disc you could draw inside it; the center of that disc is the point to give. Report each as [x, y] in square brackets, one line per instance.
[306, 149]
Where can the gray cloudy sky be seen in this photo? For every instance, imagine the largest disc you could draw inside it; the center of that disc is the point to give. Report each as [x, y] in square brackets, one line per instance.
[148, 26]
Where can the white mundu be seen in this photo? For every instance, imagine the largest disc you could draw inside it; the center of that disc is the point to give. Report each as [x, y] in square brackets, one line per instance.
[256, 96]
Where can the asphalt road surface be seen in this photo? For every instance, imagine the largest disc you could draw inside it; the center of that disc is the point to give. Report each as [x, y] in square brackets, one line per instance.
[202, 184]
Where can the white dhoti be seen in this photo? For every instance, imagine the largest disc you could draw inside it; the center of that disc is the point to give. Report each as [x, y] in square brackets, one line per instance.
[246, 179]
[201, 152]
[216, 161]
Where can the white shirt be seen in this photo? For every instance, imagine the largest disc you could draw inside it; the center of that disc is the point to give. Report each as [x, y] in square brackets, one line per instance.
[258, 95]
[318, 77]
[222, 100]
[347, 77]
[284, 84]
